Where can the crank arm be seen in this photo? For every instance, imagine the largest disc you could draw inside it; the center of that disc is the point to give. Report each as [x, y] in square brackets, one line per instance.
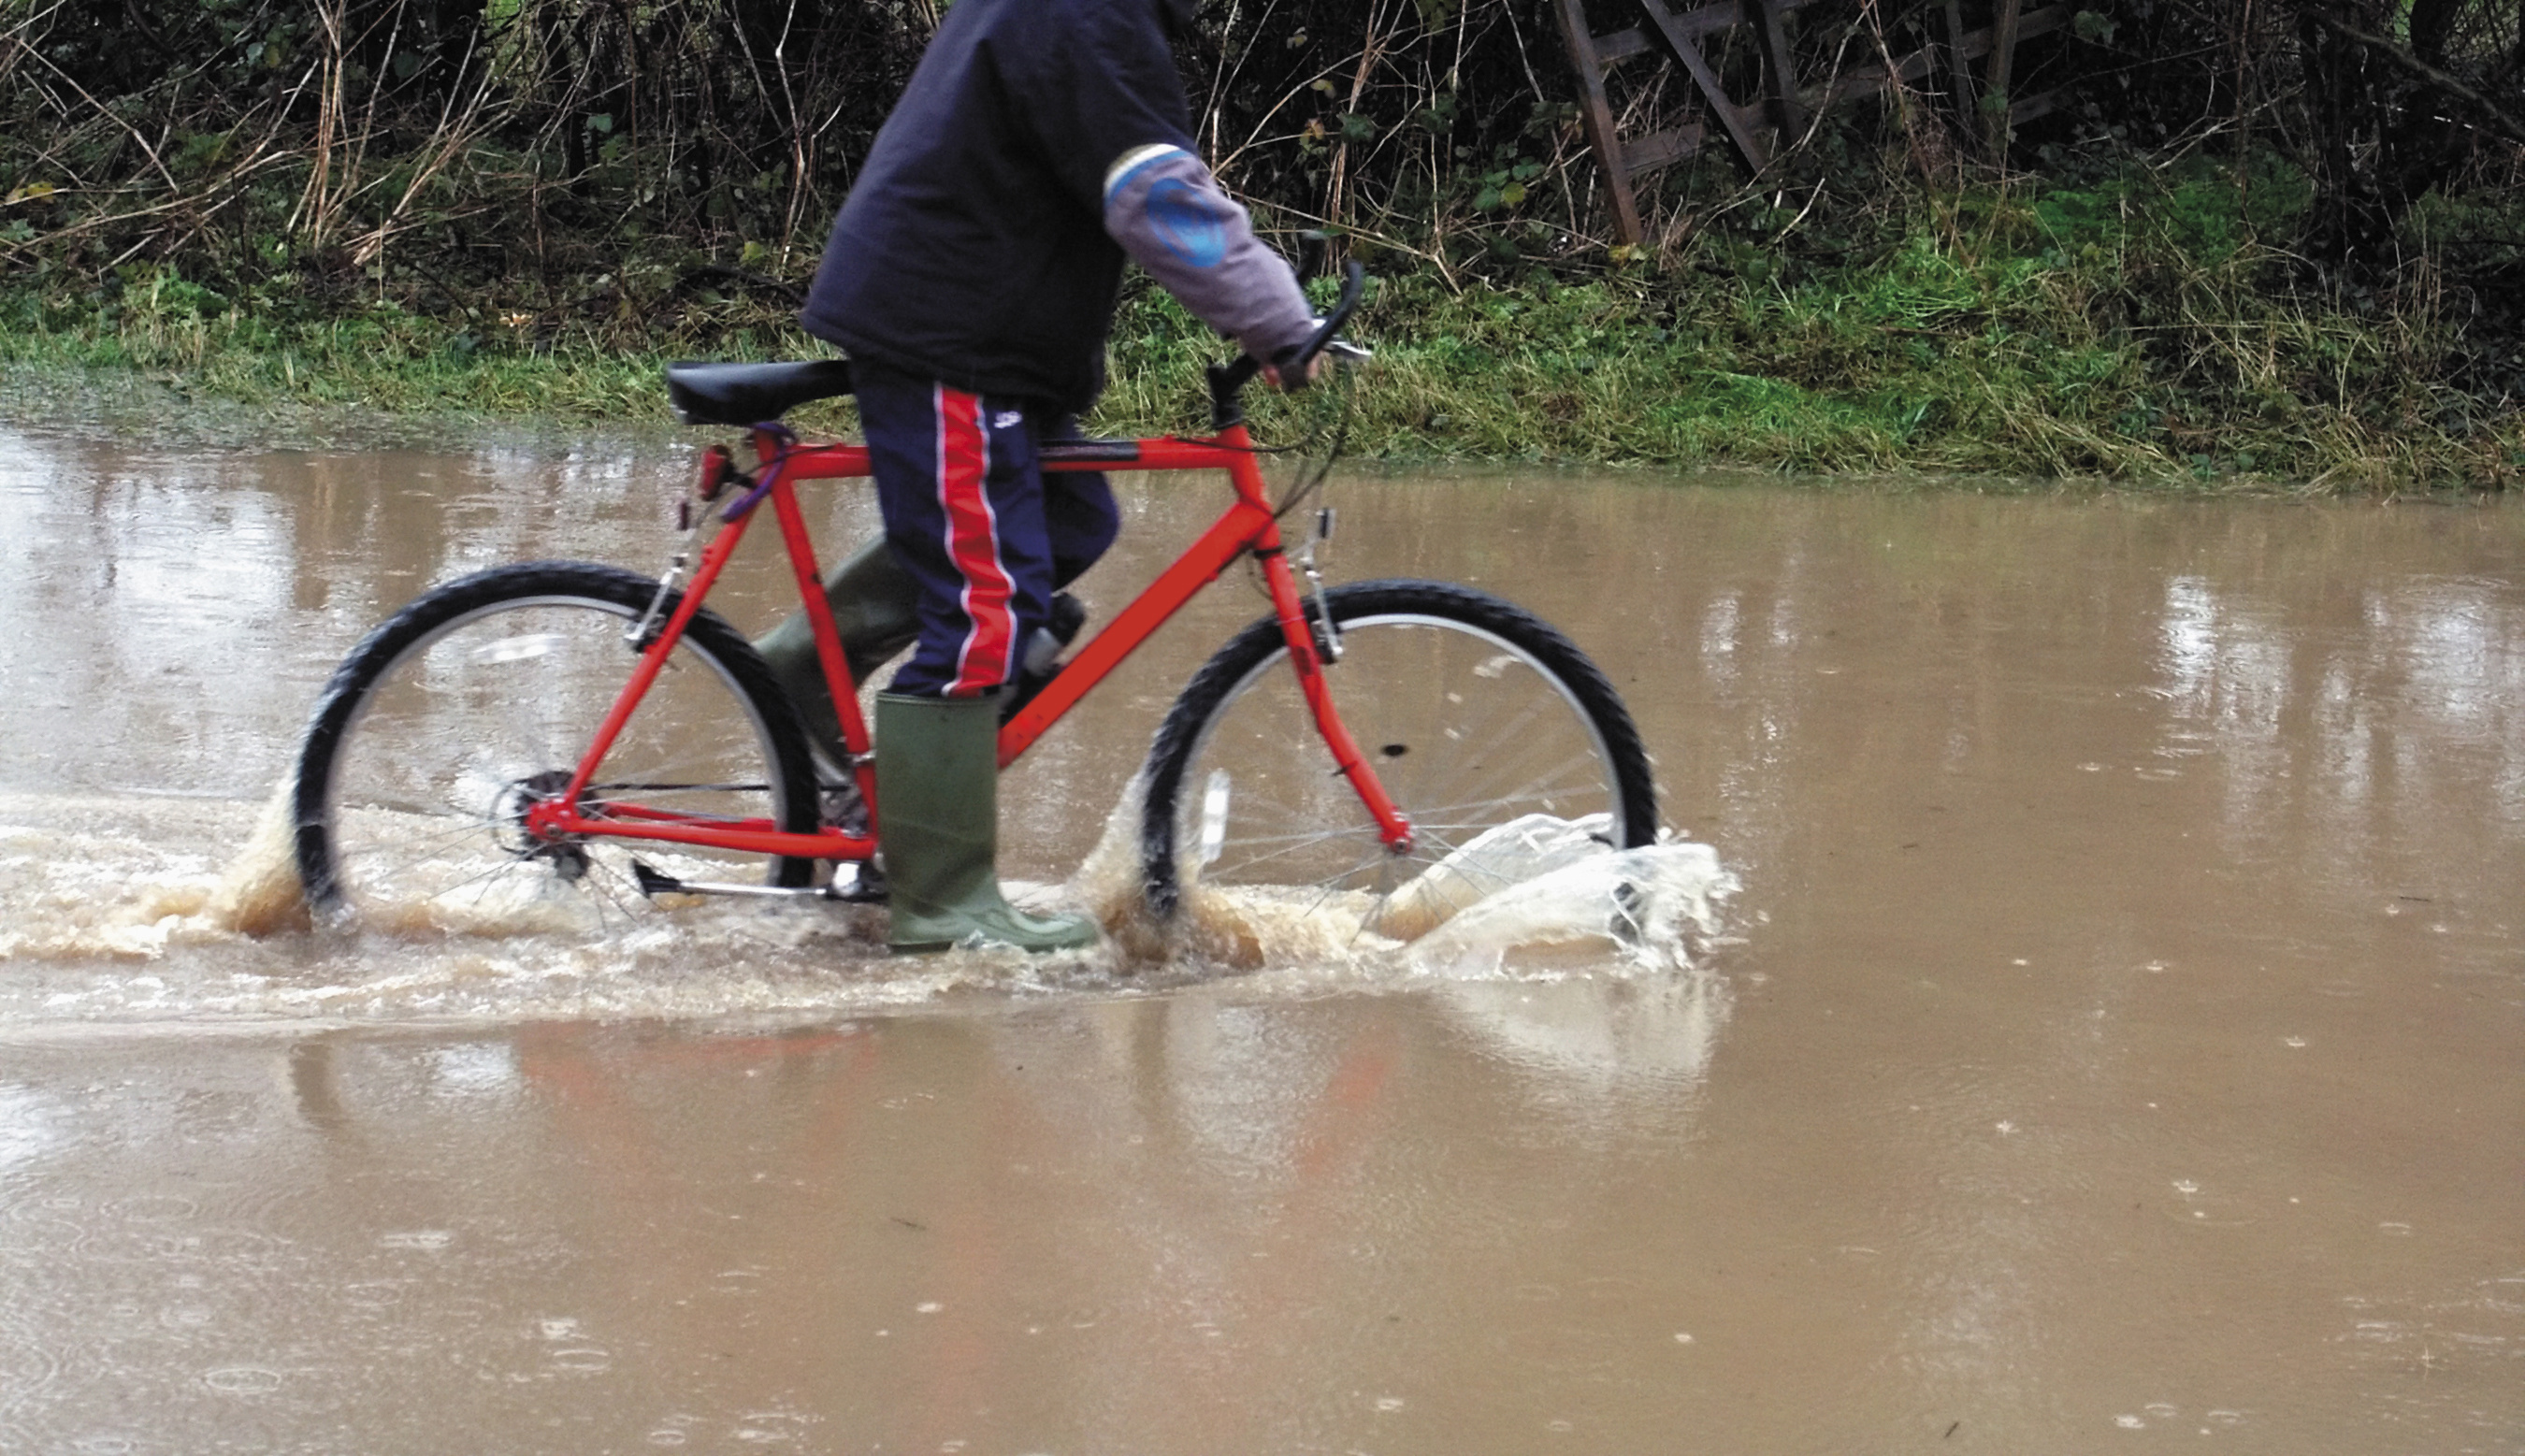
[866, 887]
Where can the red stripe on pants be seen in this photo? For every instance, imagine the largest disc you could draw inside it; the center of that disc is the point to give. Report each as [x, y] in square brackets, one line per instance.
[986, 660]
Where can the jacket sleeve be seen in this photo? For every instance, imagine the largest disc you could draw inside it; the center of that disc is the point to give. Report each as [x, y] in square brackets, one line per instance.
[1169, 213]
[1096, 83]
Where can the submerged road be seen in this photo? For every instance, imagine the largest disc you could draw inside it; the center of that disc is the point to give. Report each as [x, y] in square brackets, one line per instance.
[2118, 1041]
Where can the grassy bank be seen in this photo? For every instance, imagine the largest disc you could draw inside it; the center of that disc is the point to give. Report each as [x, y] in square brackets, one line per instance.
[2132, 326]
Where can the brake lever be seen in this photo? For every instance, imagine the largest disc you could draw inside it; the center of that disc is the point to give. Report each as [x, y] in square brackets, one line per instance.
[1354, 288]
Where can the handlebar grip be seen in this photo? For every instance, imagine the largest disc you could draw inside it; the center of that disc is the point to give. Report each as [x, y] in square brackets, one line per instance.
[1353, 285]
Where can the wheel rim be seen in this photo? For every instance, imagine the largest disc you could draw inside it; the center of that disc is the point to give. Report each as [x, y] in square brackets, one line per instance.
[1470, 732]
[473, 723]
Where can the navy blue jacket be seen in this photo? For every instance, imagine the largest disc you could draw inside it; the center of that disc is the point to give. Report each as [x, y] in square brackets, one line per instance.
[974, 247]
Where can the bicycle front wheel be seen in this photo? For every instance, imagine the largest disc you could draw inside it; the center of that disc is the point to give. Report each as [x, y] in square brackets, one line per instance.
[1487, 727]
[477, 700]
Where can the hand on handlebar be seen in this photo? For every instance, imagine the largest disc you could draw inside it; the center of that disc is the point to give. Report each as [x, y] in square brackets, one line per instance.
[1228, 378]
[1326, 341]
[1314, 370]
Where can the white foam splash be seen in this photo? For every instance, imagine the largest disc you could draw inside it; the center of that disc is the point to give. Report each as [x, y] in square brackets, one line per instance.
[1649, 908]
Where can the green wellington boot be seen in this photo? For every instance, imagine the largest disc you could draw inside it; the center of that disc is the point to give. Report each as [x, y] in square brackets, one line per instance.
[872, 598]
[938, 819]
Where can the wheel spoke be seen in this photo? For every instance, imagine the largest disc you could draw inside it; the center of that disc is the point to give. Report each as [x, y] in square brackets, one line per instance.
[1327, 888]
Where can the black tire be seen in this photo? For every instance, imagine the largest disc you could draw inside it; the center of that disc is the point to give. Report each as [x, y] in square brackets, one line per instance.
[460, 708]
[1424, 665]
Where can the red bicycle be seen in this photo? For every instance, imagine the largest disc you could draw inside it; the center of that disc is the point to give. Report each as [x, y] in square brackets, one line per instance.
[480, 757]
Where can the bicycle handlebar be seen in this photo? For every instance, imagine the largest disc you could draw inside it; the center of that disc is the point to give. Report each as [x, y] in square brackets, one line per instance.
[1228, 379]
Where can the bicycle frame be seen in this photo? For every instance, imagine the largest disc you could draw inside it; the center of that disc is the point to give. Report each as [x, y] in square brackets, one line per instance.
[1247, 524]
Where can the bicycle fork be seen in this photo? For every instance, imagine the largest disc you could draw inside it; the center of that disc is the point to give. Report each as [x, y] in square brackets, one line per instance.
[1393, 827]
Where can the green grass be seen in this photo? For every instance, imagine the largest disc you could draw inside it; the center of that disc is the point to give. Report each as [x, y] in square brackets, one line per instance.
[2134, 327]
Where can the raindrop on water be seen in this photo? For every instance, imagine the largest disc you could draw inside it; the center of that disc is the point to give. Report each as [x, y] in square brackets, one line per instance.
[243, 1379]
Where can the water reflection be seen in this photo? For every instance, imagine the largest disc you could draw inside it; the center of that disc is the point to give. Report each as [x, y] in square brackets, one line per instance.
[26, 1126]
[1031, 1232]
[1628, 1042]
[2352, 727]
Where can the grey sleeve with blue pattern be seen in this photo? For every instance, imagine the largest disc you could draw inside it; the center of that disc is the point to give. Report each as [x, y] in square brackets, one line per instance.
[1167, 212]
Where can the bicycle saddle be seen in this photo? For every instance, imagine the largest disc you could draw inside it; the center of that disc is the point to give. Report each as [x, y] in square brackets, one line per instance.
[748, 393]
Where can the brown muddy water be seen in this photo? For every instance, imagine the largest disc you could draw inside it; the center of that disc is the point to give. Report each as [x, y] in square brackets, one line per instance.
[2098, 1023]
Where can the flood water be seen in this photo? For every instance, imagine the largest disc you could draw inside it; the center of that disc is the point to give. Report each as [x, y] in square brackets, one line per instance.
[2107, 1031]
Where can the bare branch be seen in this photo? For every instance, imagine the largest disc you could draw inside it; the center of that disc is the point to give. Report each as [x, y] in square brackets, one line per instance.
[2500, 120]
[109, 113]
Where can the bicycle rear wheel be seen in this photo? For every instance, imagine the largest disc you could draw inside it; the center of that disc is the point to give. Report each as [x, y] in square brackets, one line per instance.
[462, 710]
[1489, 729]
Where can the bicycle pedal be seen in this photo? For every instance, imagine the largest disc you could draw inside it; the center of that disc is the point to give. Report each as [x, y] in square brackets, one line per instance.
[867, 886]
[652, 883]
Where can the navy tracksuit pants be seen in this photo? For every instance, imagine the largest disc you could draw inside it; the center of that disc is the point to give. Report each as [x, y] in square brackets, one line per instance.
[971, 515]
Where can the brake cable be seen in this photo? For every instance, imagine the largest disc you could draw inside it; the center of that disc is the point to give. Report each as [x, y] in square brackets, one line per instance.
[1328, 639]
[1306, 484]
